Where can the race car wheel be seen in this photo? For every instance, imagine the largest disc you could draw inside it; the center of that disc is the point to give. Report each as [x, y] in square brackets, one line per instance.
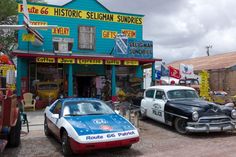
[66, 149]
[46, 129]
[14, 135]
[180, 125]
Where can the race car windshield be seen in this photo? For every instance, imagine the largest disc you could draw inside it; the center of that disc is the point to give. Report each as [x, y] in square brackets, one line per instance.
[182, 94]
[81, 108]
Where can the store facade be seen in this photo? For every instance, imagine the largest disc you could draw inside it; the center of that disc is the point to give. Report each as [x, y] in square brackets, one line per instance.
[93, 52]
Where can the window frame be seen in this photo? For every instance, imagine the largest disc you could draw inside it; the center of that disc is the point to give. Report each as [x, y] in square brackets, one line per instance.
[163, 93]
[94, 38]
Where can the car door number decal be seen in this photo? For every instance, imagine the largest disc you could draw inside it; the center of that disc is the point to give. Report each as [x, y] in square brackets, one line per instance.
[156, 110]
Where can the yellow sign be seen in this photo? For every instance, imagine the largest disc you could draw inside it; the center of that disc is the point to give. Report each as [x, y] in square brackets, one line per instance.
[61, 31]
[82, 14]
[28, 37]
[109, 34]
[89, 61]
[129, 33]
[37, 23]
[4, 68]
[66, 60]
[112, 62]
[131, 63]
[45, 60]
[204, 85]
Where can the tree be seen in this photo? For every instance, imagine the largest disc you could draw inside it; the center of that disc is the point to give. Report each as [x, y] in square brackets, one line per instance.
[8, 16]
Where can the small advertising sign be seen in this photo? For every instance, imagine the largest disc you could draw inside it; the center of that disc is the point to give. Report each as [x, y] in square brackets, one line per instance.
[28, 37]
[186, 71]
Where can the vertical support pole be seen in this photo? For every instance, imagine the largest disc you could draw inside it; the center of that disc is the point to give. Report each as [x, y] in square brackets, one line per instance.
[113, 83]
[153, 74]
[70, 81]
[18, 78]
[139, 73]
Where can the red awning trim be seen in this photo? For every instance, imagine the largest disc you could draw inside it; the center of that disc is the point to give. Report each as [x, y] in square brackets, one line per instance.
[30, 55]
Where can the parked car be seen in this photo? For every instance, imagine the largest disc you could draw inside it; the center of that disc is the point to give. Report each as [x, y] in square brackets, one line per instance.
[47, 91]
[87, 124]
[182, 108]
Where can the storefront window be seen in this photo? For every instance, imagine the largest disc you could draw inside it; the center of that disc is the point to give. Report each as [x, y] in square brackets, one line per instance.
[86, 37]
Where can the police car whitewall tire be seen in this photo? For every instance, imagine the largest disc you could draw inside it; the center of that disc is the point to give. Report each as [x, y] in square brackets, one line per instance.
[180, 125]
[66, 148]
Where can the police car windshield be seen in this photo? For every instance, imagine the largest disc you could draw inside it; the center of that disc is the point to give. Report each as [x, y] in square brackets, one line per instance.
[80, 108]
[182, 94]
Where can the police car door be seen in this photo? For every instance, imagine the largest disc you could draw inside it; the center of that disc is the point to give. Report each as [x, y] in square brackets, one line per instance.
[158, 106]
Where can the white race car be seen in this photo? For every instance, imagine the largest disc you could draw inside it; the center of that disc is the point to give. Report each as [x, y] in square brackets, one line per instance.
[86, 124]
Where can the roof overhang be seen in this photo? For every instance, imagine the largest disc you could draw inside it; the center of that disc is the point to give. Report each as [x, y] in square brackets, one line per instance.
[23, 54]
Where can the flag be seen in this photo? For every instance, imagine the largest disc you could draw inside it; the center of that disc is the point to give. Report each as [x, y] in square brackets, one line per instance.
[174, 72]
[186, 71]
[164, 70]
[158, 74]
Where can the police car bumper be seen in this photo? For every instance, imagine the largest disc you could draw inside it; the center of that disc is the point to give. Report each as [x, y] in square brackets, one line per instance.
[210, 127]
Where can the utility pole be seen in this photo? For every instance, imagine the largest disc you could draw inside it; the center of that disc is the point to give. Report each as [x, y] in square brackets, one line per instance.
[208, 49]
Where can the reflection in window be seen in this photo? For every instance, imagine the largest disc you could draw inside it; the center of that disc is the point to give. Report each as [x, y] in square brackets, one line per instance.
[86, 37]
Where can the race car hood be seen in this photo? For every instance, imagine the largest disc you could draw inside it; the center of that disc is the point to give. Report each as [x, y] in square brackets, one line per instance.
[99, 124]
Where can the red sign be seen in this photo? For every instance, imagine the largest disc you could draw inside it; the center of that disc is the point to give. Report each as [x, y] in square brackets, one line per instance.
[174, 72]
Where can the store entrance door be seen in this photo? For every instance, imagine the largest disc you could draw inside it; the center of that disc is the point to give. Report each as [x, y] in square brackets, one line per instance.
[85, 86]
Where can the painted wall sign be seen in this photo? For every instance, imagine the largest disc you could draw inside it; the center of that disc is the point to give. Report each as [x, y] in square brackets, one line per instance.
[28, 37]
[66, 60]
[134, 63]
[4, 68]
[61, 31]
[112, 62]
[89, 61]
[45, 60]
[129, 33]
[109, 34]
[82, 14]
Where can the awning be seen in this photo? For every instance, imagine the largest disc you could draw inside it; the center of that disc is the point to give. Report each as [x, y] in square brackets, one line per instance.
[80, 59]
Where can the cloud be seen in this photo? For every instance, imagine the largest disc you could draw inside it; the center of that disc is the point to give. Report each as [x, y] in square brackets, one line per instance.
[182, 29]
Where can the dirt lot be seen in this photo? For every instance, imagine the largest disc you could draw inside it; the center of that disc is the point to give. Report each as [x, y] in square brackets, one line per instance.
[157, 140]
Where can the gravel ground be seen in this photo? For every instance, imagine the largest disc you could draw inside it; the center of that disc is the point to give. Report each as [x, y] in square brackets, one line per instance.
[157, 140]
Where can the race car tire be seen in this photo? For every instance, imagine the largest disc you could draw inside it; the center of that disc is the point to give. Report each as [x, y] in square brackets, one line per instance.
[180, 125]
[14, 135]
[66, 149]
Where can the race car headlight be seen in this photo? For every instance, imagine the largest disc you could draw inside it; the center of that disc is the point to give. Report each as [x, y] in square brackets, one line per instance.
[233, 114]
[195, 116]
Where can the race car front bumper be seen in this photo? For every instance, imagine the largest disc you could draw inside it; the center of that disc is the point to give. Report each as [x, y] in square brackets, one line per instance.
[83, 147]
[211, 124]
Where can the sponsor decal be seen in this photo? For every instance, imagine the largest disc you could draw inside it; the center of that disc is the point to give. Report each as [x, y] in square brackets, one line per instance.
[82, 14]
[100, 121]
[106, 128]
[108, 136]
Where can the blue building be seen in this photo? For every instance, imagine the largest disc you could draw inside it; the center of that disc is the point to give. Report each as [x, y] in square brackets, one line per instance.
[89, 47]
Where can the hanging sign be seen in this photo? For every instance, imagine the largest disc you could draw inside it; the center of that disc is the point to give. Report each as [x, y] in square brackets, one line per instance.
[66, 60]
[135, 63]
[45, 60]
[89, 61]
[113, 62]
[28, 37]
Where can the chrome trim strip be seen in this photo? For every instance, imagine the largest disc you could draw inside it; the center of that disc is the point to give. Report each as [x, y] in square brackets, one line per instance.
[177, 115]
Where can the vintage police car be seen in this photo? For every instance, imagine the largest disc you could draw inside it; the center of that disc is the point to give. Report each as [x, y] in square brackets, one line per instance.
[182, 108]
[87, 124]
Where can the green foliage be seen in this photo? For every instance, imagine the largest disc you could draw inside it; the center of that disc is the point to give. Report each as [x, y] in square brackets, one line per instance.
[8, 8]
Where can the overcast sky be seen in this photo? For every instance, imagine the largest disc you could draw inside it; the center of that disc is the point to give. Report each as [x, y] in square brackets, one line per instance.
[182, 29]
